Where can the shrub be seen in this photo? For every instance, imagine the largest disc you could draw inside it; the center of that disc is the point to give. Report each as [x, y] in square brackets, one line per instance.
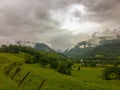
[28, 58]
[54, 64]
[69, 64]
[43, 61]
[111, 73]
[63, 68]
[68, 71]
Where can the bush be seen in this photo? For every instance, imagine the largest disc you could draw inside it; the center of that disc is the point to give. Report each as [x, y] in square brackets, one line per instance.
[111, 73]
[92, 64]
[43, 61]
[63, 68]
[69, 64]
[68, 71]
[28, 58]
[54, 64]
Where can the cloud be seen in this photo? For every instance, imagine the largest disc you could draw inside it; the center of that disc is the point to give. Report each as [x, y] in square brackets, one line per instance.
[42, 20]
[104, 10]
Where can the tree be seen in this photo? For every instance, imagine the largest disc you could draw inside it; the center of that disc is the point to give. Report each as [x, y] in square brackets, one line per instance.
[36, 57]
[54, 64]
[28, 58]
[43, 61]
[69, 64]
[111, 73]
[63, 68]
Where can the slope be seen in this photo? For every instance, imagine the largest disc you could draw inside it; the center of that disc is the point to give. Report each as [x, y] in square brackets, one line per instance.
[86, 79]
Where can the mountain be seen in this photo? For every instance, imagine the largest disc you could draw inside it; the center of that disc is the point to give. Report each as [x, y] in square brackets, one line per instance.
[107, 48]
[104, 52]
[78, 51]
[36, 45]
[43, 47]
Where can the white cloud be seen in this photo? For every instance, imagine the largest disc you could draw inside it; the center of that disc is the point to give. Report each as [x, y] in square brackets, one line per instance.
[71, 23]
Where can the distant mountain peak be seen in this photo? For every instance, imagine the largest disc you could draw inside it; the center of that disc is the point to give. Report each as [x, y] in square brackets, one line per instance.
[42, 46]
[36, 45]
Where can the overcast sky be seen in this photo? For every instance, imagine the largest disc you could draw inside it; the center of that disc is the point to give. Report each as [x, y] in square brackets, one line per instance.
[59, 23]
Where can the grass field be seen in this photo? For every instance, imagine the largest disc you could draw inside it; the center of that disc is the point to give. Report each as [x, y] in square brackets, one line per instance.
[85, 79]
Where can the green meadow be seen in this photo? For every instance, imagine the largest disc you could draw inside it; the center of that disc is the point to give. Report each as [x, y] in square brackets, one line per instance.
[84, 79]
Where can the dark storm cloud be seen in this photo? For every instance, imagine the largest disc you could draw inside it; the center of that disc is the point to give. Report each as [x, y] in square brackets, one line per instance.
[100, 10]
[21, 16]
[31, 19]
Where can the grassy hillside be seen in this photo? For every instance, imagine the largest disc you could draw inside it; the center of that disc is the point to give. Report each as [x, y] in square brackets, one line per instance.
[85, 79]
[5, 59]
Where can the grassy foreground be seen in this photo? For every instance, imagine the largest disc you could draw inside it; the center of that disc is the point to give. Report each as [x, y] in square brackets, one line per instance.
[85, 79]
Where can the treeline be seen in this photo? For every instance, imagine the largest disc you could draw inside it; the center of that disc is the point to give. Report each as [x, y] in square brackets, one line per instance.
[101, 63]
[16, 49]
[52, 59]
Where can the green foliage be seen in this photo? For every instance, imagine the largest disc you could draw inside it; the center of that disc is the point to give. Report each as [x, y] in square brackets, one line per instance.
[86, 79]
[65, 67]
[69, 64]
[28, 58]
[90, 63]
[44, 61]
[42, 57]
[54, 64]
[112, 72]
[16, 49]
[62, 68]
[32, 55]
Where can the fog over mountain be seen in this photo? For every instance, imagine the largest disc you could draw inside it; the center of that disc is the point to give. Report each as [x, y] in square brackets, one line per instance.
[59, 23]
